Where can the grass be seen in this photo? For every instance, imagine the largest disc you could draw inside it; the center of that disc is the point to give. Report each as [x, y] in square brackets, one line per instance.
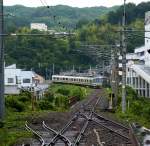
[14, 122]
[138, 110]
[13, 128]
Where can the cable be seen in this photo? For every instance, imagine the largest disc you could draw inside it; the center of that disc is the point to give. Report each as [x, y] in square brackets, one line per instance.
[42, 3]
[45, 4]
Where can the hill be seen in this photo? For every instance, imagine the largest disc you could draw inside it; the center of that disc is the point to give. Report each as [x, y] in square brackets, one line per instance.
[54, 16]
[40, 53]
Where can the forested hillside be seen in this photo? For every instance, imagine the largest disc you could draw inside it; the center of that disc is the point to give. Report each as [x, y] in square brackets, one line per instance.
[39, 53]
[52, 16]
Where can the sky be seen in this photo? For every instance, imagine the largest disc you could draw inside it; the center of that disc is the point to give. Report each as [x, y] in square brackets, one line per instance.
[74, 3]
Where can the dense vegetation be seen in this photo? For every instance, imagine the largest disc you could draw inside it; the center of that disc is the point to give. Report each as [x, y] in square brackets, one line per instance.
[39, 53]
[19, 109]
[58, 96]
[138, 109]
[67, 16]
[65, 52]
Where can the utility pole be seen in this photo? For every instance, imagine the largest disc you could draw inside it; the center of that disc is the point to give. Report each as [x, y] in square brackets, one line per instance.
[53, 68]
[116, 57]
[33, 98]
[114, 74]
[2, 100]
[124, 60]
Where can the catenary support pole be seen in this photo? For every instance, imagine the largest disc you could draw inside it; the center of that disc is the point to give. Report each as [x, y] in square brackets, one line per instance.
[2, 100]
[124, 60]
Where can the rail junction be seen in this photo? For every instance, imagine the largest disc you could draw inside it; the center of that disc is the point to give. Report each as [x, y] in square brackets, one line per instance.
[85, 128]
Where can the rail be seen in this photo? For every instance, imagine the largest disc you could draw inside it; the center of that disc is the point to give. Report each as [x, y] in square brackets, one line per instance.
[39, 137]
[135, 141]
[117, 129]
[112, 130]
[64, 138]
[88, 118]
[112, 122]
[54, 140]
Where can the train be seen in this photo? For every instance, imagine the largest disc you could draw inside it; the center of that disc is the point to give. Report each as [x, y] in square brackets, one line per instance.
[93, 81]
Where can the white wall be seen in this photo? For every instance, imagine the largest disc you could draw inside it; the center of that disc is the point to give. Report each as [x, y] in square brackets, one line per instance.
[14, 76]
[147, 40]
[26, 78]
[11, 74]
[39, 26]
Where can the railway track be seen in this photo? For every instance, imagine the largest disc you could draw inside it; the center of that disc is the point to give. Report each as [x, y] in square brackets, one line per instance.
[36, 134]
[73, 133]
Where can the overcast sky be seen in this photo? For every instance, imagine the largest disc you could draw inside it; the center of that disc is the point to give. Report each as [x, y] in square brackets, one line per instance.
[74, 3]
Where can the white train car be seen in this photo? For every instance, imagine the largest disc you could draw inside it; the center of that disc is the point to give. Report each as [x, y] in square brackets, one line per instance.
[79, 80]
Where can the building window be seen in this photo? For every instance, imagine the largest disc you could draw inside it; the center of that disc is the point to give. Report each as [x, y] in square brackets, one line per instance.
[26, 81]
[143, 83]
[10, 80]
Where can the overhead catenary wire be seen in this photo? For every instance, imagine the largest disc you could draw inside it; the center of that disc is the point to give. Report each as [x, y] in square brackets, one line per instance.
[42, 3]
[45, 4]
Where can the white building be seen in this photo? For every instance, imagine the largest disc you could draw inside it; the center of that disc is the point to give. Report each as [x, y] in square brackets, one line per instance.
[39, 26]
[18, 77]
[11, 75]
[138, 70]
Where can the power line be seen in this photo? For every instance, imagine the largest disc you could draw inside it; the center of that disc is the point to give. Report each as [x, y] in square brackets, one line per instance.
[45, 4]
[42, 3]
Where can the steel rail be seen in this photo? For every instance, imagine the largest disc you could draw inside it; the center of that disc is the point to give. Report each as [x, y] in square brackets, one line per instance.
[112, 130]
[112, 122]
[55, 139]
[64, 138]
[77, 141]
[39, 137]
[89, 118]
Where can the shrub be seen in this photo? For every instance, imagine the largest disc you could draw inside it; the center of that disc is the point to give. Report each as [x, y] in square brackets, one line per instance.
[63, 91]
[61, 101]
[1, 124]
[79, 93]
[26, 93]
[45, 105]
[24, 98]
[49, 96]
[14, 103]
